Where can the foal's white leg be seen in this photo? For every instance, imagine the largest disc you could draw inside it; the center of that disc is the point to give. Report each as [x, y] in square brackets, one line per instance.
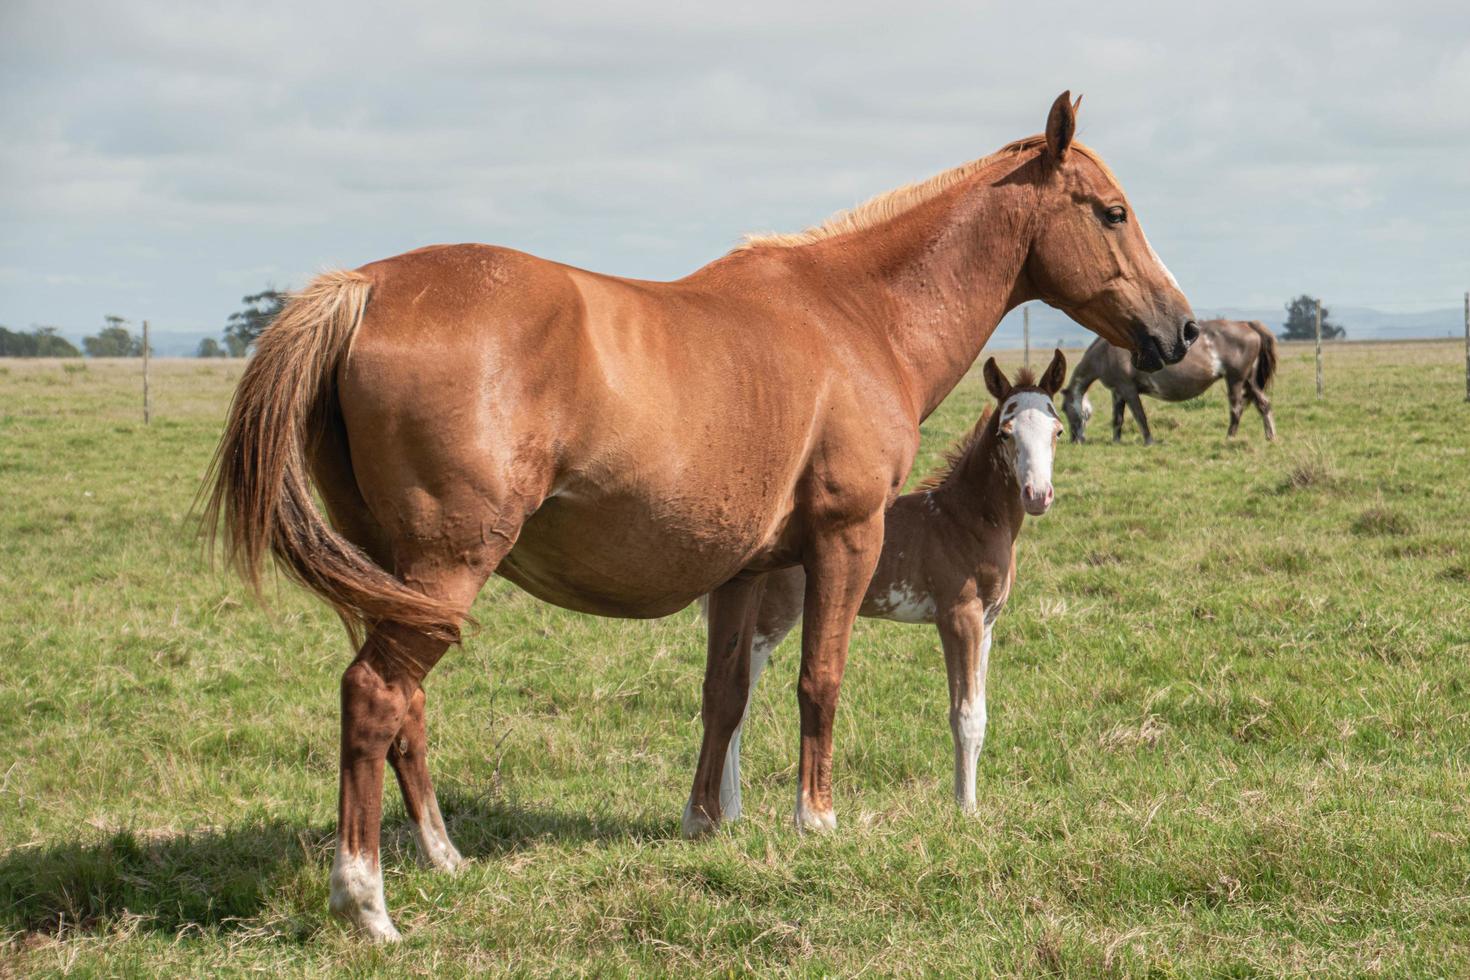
[966, 638]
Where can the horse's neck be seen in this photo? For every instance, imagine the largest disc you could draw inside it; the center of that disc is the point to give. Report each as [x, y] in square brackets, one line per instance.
[1087, 371]
[940, 277]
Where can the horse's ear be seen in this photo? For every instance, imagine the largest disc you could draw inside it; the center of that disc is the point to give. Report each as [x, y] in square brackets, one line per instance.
[995, 381]
[1056, 374]
[1061, 126]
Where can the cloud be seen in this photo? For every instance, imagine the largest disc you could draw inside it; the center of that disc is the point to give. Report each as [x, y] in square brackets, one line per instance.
[173, 150]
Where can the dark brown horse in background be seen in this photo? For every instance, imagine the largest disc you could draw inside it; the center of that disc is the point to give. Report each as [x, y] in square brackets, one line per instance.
[1243, 352]
[622, 447]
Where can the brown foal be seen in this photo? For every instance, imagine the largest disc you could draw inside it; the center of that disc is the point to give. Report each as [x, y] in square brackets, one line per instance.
[623, 447]
[1243, 352]
[949, 559]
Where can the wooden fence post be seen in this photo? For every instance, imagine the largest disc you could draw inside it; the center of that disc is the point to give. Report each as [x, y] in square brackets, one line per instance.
[1026, 333]
[1319, 348]
[147, 403]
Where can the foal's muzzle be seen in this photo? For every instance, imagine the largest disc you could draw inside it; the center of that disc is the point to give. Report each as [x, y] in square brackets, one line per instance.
[1037, 500]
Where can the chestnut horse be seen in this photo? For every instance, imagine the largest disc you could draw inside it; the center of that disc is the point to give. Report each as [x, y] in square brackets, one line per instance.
[1243, 352]
[949, 559]
[623, 447]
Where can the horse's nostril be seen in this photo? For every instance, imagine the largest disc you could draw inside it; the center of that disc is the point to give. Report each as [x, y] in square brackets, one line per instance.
[1190, 332]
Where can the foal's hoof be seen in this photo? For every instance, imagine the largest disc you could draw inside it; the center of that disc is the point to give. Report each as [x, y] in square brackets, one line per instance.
[371, 924]
[697, 823]
[357, 899]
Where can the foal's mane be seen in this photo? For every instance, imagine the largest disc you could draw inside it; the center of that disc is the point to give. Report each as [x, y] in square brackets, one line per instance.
[891, 204]
[965, 444]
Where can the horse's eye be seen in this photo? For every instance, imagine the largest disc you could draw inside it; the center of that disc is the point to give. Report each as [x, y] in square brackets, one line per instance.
[1116, 215]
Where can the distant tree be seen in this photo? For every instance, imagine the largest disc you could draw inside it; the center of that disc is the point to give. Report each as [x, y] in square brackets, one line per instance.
[50, 343]
[245, 326]
[40, 342]
[209, 347]
[1301, 321]
[113, 340]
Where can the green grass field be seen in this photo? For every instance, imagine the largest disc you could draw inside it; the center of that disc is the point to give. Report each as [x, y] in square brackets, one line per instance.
[1229, 719]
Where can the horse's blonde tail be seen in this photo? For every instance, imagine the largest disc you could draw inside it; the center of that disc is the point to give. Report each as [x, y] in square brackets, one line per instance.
[259, 490]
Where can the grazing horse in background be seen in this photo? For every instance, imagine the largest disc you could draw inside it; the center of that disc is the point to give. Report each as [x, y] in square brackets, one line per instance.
[623, 447]
[949, 558]
[1243, 352]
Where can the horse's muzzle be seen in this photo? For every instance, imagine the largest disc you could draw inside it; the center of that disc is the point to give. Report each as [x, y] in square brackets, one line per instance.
[1154, 353]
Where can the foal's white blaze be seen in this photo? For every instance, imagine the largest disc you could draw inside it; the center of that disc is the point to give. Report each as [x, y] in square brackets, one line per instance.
[357, 896]
[1033, 424]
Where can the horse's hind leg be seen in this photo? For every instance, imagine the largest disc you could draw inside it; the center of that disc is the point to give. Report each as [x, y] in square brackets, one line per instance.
[1135, 405]
[1118, 408]
[1263, 405]
[778, 611]
[1235, 390]
[732, 611]
[408, 754]
[379, 692]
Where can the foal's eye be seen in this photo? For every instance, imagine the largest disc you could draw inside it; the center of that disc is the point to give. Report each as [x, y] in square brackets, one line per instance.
[1115, 215]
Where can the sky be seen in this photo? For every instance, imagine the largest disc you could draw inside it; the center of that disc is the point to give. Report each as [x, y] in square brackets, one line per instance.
[159, 160]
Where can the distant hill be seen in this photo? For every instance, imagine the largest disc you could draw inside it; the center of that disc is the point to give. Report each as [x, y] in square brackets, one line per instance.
[1048, 326]
[1362, 323]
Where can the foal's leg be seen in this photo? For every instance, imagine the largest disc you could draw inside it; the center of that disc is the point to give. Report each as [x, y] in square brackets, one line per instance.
[408, 754]
[1235, 390]
[378, 692]
[1263, 405]
[1118, 407]
[732, 611]
[778, 611]
[1135, 405]
[839, 566]
[966, 641]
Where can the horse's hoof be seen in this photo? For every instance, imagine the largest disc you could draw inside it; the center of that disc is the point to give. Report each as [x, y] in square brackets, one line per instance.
[697, 824]
[815, 821]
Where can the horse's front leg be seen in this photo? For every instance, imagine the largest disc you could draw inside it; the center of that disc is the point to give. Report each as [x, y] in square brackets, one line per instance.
[839, 565]
[732, 611]
[966, 641]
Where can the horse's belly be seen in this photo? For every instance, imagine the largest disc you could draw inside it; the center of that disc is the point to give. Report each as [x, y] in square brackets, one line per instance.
[627, 557]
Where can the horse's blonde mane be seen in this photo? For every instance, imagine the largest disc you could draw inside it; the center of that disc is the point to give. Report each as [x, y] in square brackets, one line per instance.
[891, 204]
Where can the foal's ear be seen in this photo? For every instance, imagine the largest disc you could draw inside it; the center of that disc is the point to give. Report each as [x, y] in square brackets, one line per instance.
[1061, 126]
[995, 381]
[1056, 374]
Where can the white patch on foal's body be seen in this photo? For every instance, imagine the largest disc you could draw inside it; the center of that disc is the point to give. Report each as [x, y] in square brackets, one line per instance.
[905, 604]
[357, 896]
